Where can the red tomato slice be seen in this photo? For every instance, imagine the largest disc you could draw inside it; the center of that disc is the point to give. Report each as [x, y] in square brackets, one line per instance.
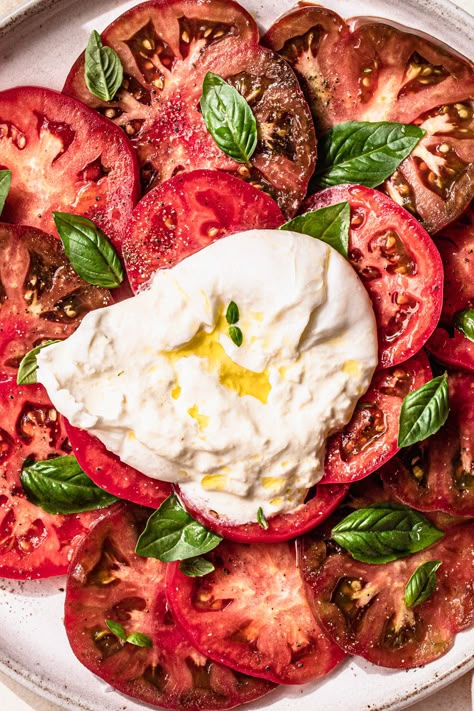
[166, 48]
[113, 475]
[66, 158]
[437, 474]
[370, 438]
[371, 71]
[187, 213]
[456, 246]
[399, 265]
[251, 613]
[108, 581]
[321, 502]
[33, 543]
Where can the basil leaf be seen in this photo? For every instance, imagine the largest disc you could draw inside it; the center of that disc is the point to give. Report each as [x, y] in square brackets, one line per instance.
[89, 250]
[262, 519]
[59, 486]
[28, 366]
[236, 335]
[139, 639]
[329, 224]
[196, 567]
[424, 411]
[384, 532]
[172, 534]
[228, 118]
[363, 152]
[117, 629]
[422, 583]
[464, 322]
[103, 71]
[232, 314]
[5, 184]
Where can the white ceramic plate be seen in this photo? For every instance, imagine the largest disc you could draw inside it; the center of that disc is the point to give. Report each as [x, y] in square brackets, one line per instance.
[38, 44]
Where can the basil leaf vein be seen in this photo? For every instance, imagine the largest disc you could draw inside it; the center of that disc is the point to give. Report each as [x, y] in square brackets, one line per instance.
[422, 583]
[28, 366]
[103, 71]
[196, 567]
[5, 184]
[424, 411]
[464, 322]
[329, 224]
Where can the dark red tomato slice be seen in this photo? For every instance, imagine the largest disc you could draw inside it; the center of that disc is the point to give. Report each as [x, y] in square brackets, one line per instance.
[370, 438]
[438, 474]
[189, 212]
[33, 543]
[41, 296]
[166, 48]
[113, 475]
[321, 502]
[66, 158]
[362, 606]
[456, 246]
[251, 613]
[398, 264]
[108, 581]
[371, 71]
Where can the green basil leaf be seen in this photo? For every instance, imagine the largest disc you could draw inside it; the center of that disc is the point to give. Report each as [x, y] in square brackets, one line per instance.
[28, 366]
[89, 250]
[103, 71]
[464, 322]
[117, 629]
[363, 152]
[59, 486]
[384, 532]
[236, 335]
[424, 411]
[228, 118]
[172, 534]
[5, 184]
[232, 314]
[262, 519]
[196, 567]
[422, 583]
[139, 639]
[329, 224]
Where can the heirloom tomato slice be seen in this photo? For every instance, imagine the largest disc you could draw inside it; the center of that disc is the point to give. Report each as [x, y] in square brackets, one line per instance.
[372, 71]
[65, 158]
[108, 581]
[189, 212]
[251, 613]
[166, 48]
[398, 264]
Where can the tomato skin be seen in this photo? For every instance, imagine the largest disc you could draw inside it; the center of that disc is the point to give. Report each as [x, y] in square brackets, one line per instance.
[398, 264]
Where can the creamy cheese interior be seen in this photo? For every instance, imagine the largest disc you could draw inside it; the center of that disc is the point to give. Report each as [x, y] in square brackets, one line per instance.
[158, 379]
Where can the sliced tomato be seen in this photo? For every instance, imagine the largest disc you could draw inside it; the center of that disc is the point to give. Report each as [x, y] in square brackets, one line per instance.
[370, 438]
[438, 474]
[108, 581]
[398, 264]
[456, 246]
[113, 475]
[66, 158]
[166, 48]
[372, 71]
[189, 212]
[251, 613]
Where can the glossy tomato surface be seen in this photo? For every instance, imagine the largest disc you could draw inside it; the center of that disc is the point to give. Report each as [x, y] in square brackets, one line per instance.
[398, 264]
[65, 158]
[251, 613]
[372, 71]
[108, 581]
[166, 48]
[189, 212]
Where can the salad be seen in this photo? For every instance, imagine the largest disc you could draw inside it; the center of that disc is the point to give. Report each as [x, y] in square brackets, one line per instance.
[177, 128]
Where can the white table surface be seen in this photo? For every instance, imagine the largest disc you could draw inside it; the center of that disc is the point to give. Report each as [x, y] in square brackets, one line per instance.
[13, 697]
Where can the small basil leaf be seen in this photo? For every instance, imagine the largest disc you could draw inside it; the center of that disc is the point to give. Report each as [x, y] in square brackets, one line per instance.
[232, 314]
[329, 224]
[28, 366]
[262, 519]
[363, 152]
[117, 629]
[59, 486]
[464, 322]
[228, 118]
[139, 639]
[384, 532]
[422, 583]
[172, 534]
[196, 567]
[424, 411]
[89, 250]
[103, 71]
[236, 335]
[5, 184]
